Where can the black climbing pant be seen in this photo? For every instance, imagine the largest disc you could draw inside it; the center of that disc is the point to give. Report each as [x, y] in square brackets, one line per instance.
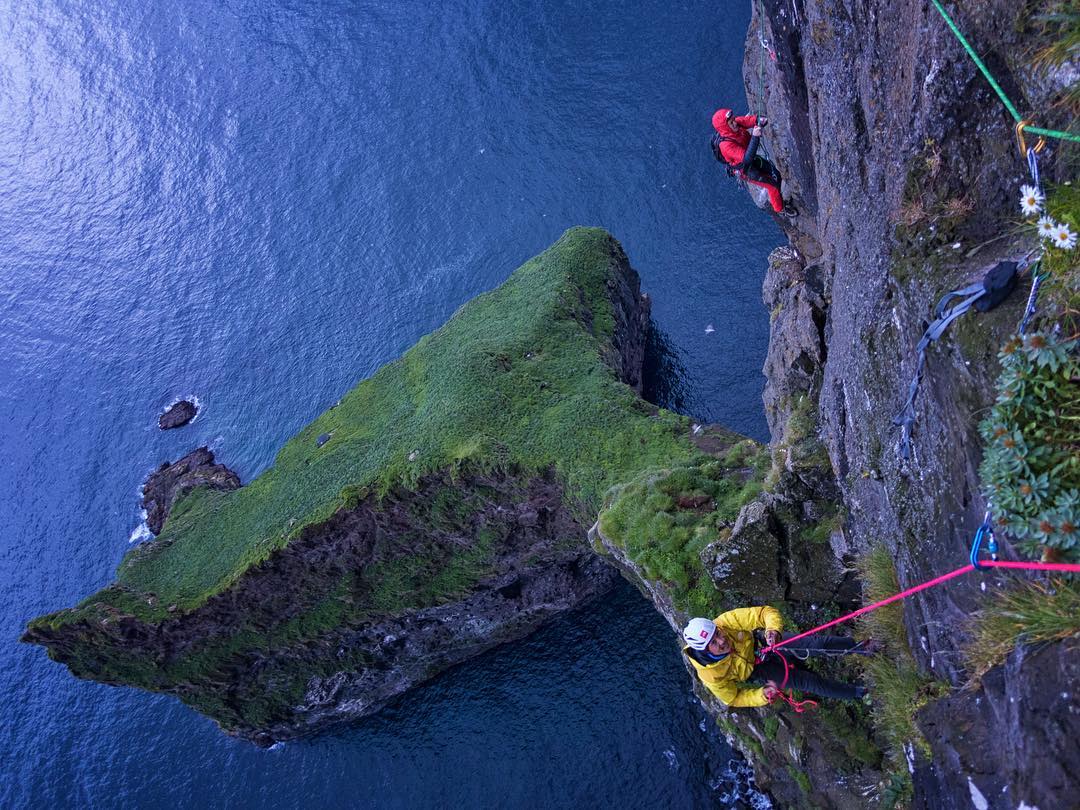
[763, 171]
[816, 646]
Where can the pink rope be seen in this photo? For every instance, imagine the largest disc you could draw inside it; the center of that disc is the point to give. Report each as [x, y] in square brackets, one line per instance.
[799, 706]
[1031, 566]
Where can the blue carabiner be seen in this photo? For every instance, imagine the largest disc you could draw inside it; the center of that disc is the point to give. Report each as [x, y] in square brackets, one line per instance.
[987, 528]
[975, 547]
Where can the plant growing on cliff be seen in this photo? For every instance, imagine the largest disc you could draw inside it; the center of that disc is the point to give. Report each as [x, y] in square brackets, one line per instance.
[1031, 467]
[899, 689]
[665, 518]
[1058, 265]
[1057, 25]
[1032, 612]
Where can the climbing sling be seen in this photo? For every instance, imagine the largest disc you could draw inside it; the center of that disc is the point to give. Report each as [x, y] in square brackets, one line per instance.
[983, 295]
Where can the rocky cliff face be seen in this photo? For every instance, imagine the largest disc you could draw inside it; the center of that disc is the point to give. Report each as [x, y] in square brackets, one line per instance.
[903, 162]
[450, 536]
[170, 482]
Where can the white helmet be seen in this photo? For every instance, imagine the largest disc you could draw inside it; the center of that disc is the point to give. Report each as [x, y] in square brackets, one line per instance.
[698, 633]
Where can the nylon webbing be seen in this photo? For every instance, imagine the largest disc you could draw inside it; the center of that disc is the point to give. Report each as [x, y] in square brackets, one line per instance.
[905, 419]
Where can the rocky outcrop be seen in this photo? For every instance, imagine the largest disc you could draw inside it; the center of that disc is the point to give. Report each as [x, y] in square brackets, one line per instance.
[1012, 742]
[776, 551]
[794, 296]
[177, 415]
[170, 482]
[631, 308]
[433, 513]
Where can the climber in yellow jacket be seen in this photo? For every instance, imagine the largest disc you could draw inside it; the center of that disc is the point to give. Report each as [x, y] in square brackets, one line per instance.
[722, 652]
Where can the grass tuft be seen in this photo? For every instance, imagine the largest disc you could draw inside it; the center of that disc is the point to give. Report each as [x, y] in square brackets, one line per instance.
[899, 689]
[666, 517]
[1032, 612]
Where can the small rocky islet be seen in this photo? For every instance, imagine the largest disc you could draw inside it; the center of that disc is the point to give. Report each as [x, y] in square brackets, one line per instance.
[177, 415]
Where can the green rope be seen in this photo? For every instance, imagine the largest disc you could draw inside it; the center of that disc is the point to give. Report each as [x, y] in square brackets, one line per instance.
[1050, 133]
[761, 60]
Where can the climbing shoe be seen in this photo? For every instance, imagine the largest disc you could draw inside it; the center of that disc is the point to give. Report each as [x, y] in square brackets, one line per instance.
[789, 213]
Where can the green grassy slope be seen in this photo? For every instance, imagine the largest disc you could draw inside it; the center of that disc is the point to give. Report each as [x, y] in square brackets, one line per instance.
[513, 379]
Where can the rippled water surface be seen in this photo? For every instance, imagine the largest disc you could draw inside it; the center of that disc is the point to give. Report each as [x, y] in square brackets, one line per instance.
[259, 204]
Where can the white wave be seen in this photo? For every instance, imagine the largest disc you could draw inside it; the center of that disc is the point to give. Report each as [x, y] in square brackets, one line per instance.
[142, 532]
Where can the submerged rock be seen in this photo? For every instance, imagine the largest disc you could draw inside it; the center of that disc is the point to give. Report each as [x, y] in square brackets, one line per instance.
[178, 415]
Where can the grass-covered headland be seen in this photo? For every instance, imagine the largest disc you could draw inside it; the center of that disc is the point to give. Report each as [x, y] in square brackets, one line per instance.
[517, 397]
[515, 379]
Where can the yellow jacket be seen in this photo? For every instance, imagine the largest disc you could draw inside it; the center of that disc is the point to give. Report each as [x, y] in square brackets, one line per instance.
[723, 677]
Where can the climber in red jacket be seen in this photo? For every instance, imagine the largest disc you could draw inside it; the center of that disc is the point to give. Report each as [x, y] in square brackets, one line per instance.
[736, 143]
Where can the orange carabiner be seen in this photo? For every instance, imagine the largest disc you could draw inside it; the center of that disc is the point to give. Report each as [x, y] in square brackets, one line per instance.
[1021, 141]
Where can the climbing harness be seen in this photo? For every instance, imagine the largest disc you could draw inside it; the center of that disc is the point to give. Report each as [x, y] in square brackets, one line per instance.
[799, 706]
[1022, 124]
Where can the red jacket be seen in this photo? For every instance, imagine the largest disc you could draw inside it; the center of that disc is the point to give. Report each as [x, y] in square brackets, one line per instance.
[733, 147]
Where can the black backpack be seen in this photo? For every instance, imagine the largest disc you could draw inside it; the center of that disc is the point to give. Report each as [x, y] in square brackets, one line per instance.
[715, 142]
[997, 284]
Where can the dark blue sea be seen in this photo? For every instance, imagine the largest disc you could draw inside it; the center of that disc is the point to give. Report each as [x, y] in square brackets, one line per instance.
[258, 204]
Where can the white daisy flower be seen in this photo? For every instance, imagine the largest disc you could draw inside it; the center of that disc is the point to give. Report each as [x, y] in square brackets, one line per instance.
[1031, 199]
[1047, 227]
[1064, 237]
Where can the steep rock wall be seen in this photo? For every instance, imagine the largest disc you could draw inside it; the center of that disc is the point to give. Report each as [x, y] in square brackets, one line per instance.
[902, 161]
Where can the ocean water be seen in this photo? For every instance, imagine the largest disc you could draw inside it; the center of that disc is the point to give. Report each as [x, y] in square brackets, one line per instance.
[259, 203]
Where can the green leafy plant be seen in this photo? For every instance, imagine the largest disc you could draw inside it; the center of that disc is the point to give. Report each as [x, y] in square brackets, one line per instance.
[1031, 466]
